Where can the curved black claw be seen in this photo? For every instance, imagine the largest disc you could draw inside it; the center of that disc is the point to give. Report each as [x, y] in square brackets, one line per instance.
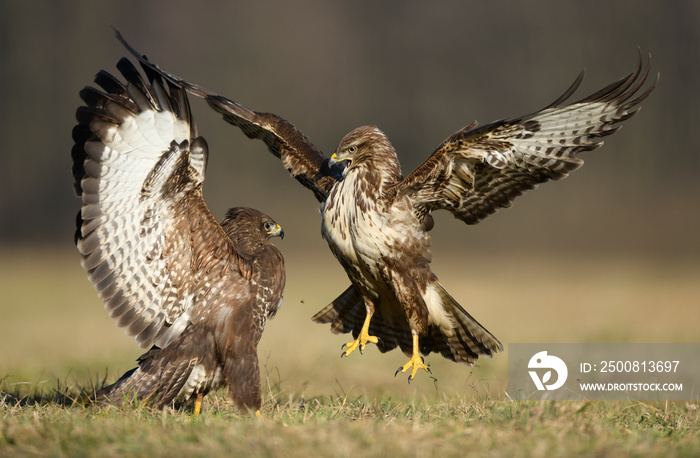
[397, 371]
[410, 377]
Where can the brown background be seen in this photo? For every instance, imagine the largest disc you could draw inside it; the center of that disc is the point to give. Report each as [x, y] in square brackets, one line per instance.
[609, 254]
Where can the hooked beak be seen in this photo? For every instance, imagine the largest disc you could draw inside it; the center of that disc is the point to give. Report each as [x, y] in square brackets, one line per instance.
[337, 167]
[276, 232]
[334, 159]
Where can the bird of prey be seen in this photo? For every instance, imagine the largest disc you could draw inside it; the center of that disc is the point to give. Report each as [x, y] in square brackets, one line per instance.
[376, 221]
[194, 292]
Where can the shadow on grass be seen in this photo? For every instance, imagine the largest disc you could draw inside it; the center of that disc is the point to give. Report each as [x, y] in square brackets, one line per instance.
[69, 394]
[66, 395]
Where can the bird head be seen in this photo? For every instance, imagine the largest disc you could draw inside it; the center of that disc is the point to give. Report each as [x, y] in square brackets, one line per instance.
[243, 223]
[367, 147]
[272, 229]
[361, 146]
[342, 159]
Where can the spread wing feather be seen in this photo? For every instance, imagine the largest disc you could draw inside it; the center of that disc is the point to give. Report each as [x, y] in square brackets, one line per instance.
[474, 172]
[478, 170]
[306, 163]
[139, 167]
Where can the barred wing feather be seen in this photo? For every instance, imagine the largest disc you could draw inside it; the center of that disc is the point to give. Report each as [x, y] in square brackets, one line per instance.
[478, 170]
[302, 159]
[138, 169]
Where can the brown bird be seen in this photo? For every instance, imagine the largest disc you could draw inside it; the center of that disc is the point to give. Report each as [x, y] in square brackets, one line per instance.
[196, 292]
[376, 221]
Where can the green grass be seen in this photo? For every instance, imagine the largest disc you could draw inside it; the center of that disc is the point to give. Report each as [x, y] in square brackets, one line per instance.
[56, 341]
[46, 424]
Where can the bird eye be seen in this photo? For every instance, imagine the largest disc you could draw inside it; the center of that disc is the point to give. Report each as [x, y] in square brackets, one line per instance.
[268, 226]
[352, 149]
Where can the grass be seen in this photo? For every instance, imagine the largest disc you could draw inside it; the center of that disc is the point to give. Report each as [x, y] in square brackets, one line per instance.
[339, 426]
[56, 341]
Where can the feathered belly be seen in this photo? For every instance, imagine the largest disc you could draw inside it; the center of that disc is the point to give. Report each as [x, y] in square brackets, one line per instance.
[366, 238]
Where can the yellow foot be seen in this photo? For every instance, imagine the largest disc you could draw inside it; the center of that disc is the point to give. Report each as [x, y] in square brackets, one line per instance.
[198, 404]
[416, 362]
[360, 343]
[362, 339]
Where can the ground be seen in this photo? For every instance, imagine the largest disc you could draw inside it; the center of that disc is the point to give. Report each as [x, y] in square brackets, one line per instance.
[55, 340]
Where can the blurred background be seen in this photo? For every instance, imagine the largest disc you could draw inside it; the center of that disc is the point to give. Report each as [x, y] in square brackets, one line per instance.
[609, 254]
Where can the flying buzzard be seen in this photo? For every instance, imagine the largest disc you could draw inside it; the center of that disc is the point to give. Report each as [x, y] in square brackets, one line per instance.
[196, 292]
[376, 221]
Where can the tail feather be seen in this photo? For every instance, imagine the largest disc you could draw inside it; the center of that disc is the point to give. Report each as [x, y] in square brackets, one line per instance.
[468, 339]
[148, 383]
[464, 341]
[345, 313]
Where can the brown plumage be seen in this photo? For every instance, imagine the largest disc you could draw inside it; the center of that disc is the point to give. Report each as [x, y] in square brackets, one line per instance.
[376, 221]
[196, 292]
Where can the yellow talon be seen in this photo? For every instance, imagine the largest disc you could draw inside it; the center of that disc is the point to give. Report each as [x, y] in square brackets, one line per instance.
[362, 339]
[416, 362]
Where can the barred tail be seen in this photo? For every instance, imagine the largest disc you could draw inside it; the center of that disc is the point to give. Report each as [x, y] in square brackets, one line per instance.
[345, 313]
[457, 335]
[151, 383]
[465, 341]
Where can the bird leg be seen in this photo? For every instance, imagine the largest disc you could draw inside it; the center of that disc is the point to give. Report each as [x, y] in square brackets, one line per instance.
[416, 361]
[362, 339]
[198, 404]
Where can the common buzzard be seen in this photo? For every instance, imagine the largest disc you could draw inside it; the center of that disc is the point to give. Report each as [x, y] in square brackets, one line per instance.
[196, 292]
[376, 221]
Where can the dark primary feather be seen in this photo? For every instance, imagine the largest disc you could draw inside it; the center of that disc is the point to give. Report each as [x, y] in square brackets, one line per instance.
[299, 156]
[195, 292]
[478, 170]
[472, 174]
[121, 224]
[475, 171]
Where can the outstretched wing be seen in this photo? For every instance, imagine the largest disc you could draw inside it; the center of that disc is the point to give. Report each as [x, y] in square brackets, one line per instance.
[143, 226]
[299, 156]
[477, 171]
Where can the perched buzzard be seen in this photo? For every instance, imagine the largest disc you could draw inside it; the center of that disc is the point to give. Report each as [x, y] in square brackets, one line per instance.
[376, 221]
[196, 292]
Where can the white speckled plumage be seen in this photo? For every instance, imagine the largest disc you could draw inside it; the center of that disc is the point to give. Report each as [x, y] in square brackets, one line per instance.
[195, 292]
[376, 220]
